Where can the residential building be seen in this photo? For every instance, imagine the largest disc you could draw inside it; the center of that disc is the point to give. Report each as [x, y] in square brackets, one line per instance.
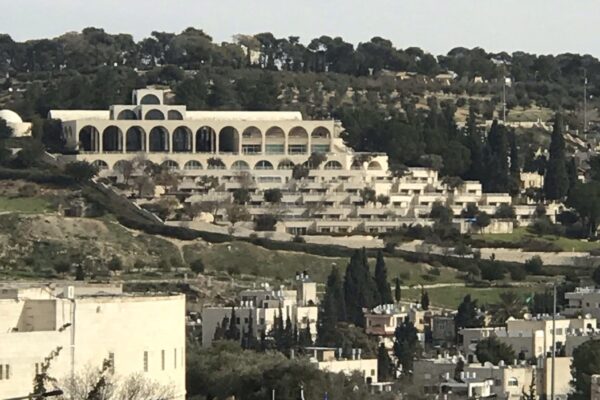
[532, 335]
[258, 151]
[331, 360]
[383, 320]
[260, 308]
[140, 335]
[583, 301]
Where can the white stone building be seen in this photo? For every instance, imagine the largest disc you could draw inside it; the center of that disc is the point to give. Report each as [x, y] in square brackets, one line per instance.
[331, 360]
[141, 335]
[258, 151]
[261, 308]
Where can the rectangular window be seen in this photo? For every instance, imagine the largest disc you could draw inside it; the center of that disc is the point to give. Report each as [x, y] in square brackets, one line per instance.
[145, 361]
[182, 356]
[175, 358]
[296, 149]
[162, 359]
[1, 372]
[320, 148]
[275, 148]
[7, 371]
[251, 149]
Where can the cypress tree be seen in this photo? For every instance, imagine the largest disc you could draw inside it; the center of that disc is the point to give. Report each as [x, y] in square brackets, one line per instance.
[352, 289]
[332, 310]
[397, 291]
[384, 364]
[496, 154]
[381, 280]
[233, 333]
[556, 180]
[370, 297]
[425, 300]
[515, 170]
[474, 143]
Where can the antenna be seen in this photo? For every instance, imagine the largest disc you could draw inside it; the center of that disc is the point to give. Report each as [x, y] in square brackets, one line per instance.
[585, 82]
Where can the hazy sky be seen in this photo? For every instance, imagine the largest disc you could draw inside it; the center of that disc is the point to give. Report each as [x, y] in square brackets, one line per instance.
[536, 26]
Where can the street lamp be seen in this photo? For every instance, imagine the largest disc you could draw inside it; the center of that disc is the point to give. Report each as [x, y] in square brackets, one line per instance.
[51, 393]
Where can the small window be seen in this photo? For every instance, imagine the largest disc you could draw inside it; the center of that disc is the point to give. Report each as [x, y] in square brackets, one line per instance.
[237, 321]
[162, 360]
[513, 382]
[111, 360]
[145, 361]
[7, 371]
[2, 372]
[175, 358]
[372, 372]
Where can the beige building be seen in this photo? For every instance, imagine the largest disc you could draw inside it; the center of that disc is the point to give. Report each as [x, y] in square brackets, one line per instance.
[232, 146]
[532, 336]
[331, 360]
[583, 301]
[140, 335]
[261, 308]
[14, 121]
[383, 320]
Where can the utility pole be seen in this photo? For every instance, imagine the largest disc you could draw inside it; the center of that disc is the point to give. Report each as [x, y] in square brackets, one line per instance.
[552, 378]
[504, 100]
[585, 81]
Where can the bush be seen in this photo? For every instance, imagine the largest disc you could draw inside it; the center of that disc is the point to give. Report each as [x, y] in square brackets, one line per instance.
[518, 274]
[534, 265]
[492, 271]
[197, 266]
[505, 211]
[543, 226]
[29, 190]
[265, 222]
[115, 264]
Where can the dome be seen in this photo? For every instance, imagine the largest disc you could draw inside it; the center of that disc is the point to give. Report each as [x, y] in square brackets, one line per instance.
[10, 117]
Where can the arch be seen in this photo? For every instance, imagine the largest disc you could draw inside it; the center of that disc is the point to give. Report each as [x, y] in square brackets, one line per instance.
[135, 139]
[150, 99]
[333, 165]
[174, 115]
[112, 139]
[117, 165]
[158, 139]
[229, 140]
[320, 133]
[182, 139]
[192, 164]
[263, 164]
[127, 114]
[297, 141]
[374, 166]
[170, 164]
[100, 164]
[252, 140]
[356, 165]
[154, 115]
[298, 132]
[285, 164]
[240, 165]
[251, 132]
[89, 138]
[206, 140]
[275, 132]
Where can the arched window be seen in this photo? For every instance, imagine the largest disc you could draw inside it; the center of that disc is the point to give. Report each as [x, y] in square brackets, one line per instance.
[275, 132]
[240, 165]
[298, 141]
[89, 139]
[159, 139]
[193, 164]
[150, 99]
[154, 115]
[100, 164]
[112, 139]
[263, 164]
[285, 164]
[127, 114]
[229, 140]
[356, 165]
[333, 165]
[252, 140]
[252, 132]
[182, 139]
[170, 165]
[320, 133]
[374, 166]
[275, 140]
[206, 140]
[174, 115]
[135, 139]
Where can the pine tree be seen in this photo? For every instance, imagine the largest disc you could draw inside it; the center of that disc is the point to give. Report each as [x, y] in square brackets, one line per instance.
[556, 180]
[466, 315]
[424, 300]
[397, 290]
[233, 333]
[79, 273]
[381, 280]
[384, 364]
[406, 344]
[360, 290]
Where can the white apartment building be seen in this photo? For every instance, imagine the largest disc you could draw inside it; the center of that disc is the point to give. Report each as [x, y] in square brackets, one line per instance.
[532, 335]
[262, 307]
[141, 335]
[331, 360]
[583, 301]
[258, 151]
